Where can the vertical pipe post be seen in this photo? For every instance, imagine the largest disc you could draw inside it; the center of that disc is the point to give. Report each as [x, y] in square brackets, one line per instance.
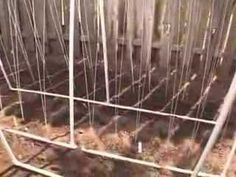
[62, 13]
[71, 70]
[225, 109]
[104, 46]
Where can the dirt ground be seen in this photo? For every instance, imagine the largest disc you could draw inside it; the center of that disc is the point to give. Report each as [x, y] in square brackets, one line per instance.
[76, 163]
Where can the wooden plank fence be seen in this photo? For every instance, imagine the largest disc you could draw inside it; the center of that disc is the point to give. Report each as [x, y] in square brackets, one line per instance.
[138, 27]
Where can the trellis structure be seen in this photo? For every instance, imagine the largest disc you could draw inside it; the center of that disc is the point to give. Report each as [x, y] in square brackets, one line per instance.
[137, 107]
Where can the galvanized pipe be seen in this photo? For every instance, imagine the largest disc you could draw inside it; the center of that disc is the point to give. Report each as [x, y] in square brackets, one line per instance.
[225, 109]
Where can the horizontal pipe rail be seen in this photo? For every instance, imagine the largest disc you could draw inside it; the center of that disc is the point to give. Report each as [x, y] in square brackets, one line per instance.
[95, 152]
[117, 106]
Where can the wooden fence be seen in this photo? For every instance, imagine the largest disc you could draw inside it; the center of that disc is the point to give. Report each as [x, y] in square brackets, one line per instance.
[188, 26]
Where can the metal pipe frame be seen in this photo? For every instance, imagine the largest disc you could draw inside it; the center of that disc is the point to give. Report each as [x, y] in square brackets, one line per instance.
[103, 103]
[104, 47]
[94, 152]
[227, 104]
[71, 70]
[225, 109]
